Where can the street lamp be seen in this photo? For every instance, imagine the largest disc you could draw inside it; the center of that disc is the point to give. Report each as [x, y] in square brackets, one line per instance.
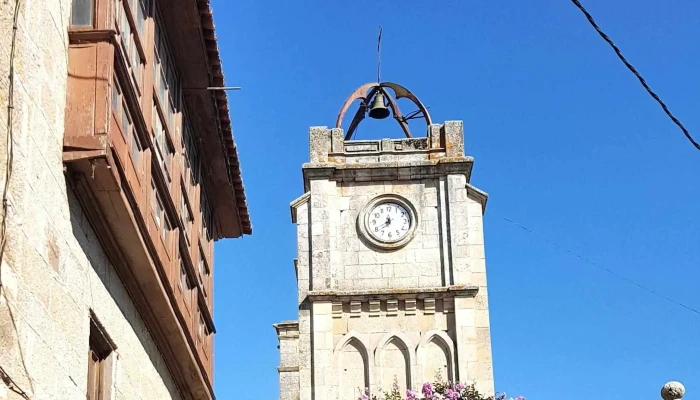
[673, 391]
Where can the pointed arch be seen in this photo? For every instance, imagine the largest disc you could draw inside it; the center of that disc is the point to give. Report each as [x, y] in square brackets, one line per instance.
[432, 341]
[352, 335]
[352, 362]
[406, 351]
[402, 338]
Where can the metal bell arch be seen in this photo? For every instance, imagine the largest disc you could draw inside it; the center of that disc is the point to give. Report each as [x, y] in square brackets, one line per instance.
[376, 92]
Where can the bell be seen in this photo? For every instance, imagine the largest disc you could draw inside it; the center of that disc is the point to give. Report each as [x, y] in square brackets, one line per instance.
[378, 110]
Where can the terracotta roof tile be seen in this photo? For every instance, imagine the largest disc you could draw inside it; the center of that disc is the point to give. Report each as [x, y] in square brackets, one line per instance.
[212, 48]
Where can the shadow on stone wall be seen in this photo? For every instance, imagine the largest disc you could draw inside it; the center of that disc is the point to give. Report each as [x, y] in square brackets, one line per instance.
[105, 271]
[8, 336]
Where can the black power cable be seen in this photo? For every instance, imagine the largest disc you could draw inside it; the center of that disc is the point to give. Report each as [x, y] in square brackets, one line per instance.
[605, 37]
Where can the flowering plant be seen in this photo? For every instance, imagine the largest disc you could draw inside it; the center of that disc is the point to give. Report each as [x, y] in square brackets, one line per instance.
[436, 391]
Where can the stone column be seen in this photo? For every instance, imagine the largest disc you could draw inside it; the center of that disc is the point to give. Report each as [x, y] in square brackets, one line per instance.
[322, 334]
[673, 391]
[465, 335]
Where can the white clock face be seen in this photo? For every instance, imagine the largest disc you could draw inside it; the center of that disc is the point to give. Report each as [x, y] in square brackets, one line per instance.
[388, 222]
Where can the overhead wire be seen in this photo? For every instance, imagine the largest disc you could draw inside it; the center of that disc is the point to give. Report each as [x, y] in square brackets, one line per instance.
[603, 268]
[9, 144]
[4, 377]
[641, 79]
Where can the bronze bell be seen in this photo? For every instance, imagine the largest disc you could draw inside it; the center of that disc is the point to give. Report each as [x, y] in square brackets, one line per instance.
[378, 109]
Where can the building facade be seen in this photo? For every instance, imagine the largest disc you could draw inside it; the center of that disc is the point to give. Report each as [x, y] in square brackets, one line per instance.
[391, 268]
[119, 172]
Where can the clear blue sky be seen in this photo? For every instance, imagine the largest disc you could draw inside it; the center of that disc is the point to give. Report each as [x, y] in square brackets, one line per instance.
[565, 140]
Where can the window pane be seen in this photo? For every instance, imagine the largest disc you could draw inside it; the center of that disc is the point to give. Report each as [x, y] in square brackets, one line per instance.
[165, 150]
[126, 36]
[168, 152]
[155, 70]
[126, 121]
[117, 15]
[136, 63]
[200, 328]
[136, 151]
[204, 209]
[171, 115]
[166, 227]
[182, 206]
[187, 284]
[82, 13]
[186, 172]
[161, 87]
[159, 212]
[140, 20]
[115, 96]
[158, 134]
[153, 195]
[183, 275]
[201, 267]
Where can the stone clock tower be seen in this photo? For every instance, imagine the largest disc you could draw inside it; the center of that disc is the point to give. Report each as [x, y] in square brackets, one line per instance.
[391, 270]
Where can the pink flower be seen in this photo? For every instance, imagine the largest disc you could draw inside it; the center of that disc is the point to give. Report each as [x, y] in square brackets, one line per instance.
[365, 395]
[428, 389]
[459, 387]
[451, 394]
[411, 395]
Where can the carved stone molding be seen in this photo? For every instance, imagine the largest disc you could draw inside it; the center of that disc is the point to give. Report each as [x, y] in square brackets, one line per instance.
[390, 294]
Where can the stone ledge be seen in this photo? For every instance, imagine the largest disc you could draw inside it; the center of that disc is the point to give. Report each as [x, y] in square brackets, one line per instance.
[391, 294]
[287, 369]
[390, 164]
[479, 195]
[287, 329]
[388, 171]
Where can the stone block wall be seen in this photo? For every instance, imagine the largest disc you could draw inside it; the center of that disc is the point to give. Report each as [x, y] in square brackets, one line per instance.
[368, 316]
[288, 335]
[363, 267]
[53, 269]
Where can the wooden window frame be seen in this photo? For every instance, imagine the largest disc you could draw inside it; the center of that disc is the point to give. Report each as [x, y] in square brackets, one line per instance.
[124, 113]
[100, 362]
[167, 83]
[136, 156]
[203, 271]
[131, 136]
[165, 161]
[207, 221]
[191, 165]
[145, 10]
[159, 212]
[132, 46]
[90, 27]
[186, 215]
[167, 227]
[116, 88]
[202, 331]
[184, 282]
[201, 327]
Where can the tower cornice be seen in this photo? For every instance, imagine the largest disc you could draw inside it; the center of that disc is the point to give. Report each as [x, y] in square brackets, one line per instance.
[397, 293]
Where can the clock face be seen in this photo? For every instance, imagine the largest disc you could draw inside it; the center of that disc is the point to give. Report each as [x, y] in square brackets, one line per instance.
[388, 222]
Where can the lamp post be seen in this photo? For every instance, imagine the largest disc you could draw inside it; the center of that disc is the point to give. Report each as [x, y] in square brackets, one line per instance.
[672, 391]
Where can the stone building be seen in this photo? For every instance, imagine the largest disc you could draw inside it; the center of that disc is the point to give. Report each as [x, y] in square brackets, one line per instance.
[118, 172]
[391, 270]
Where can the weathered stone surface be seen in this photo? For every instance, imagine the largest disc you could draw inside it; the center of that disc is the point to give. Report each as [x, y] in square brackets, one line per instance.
[54, 270]
[378, 312]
